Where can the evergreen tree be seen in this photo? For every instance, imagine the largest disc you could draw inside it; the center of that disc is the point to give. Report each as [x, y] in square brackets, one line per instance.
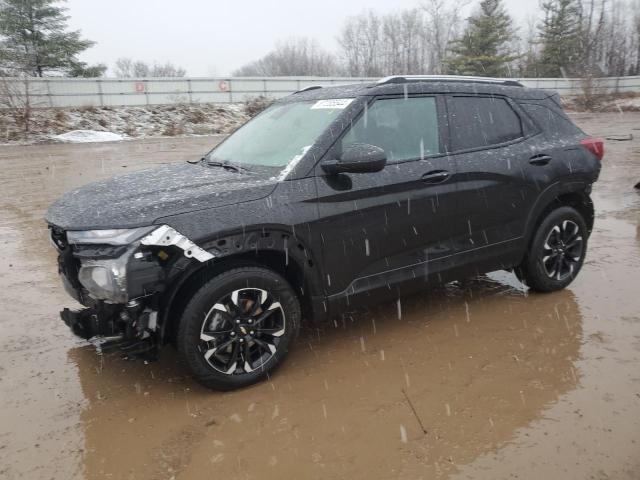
[485, 48]
[560, 38]
[81, 69]
[34, 40]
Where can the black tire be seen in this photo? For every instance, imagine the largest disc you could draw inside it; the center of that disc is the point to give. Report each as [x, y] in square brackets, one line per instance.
[213, 325]
[556, 252]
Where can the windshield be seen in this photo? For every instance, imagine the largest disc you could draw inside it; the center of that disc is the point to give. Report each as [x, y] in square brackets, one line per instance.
[279, 135]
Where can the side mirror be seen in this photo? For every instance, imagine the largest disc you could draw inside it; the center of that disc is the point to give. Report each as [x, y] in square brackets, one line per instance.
[358, 158]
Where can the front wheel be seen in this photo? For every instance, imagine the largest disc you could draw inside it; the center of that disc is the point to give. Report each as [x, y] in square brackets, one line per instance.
[557, 251]
[238, 327]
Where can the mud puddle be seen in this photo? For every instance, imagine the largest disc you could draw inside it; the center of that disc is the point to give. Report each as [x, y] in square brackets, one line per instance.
[474, 380]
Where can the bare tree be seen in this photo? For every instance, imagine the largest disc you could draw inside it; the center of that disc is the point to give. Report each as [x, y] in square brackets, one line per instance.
[128, 68]
[636, 37]
[361, 45]
[609, 38]
[404, 43]
[412, 41]
[124, 68]
[296, 56]
[616, 41]
[593, 23]
[444, 25]
[15, 99]
[527, 49]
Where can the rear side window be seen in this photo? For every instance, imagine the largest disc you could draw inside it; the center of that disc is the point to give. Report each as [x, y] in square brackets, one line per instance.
[482, 121]
[554, 123]
[405, 128]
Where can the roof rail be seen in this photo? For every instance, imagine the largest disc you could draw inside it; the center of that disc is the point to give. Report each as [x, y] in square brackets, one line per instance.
[310, 87]
[447, 78]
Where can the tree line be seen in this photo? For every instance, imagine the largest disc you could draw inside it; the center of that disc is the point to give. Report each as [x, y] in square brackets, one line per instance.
[571, 38]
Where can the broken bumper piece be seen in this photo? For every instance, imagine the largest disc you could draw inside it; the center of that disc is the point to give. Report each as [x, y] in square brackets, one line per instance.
[83, 323]
[130, 330]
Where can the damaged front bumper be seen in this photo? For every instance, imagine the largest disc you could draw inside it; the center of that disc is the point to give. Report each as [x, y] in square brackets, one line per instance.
[119, 277]
[130, 329]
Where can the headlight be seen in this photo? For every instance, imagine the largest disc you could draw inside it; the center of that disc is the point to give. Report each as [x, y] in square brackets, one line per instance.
[106, 279]
[121, 236]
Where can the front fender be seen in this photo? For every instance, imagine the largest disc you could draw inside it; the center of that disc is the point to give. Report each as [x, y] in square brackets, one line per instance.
[273, 246]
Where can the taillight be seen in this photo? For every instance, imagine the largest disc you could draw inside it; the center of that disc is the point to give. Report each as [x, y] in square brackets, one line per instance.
[595, 146]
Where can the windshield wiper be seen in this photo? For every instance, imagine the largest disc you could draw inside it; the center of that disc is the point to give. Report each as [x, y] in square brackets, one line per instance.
[226, 165]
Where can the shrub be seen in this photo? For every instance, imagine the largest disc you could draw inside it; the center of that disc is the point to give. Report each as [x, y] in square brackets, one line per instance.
[254, 105]
[130, 130]
[196, 116]
[172, 129]
[61, 116]
[592, 95]
[88, 109]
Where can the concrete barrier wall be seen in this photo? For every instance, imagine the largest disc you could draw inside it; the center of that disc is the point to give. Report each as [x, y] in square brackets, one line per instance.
[78, 92]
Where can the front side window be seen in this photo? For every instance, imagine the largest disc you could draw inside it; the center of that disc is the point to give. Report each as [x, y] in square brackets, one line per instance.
[279, 135]
[478, 122]
[405, 128]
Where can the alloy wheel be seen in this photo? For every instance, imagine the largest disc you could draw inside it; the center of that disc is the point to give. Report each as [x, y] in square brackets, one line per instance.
[562, 250]
[241, 332]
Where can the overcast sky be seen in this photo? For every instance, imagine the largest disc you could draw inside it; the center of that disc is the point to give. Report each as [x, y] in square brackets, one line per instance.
[215, 37]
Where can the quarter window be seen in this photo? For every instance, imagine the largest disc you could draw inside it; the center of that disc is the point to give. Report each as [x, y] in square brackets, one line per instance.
[482, 121]
[552, 122]
[405, 128]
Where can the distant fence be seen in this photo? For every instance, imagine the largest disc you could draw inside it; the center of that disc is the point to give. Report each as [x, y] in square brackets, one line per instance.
[78, 92]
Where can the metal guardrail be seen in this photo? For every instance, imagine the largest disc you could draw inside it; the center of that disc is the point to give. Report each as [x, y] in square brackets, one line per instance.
[79, 92]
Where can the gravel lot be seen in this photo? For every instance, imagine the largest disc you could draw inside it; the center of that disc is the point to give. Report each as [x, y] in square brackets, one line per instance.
[506, 385]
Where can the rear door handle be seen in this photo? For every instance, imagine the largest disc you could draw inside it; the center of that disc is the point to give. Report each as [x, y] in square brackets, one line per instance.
[540, 159]
[436, 176]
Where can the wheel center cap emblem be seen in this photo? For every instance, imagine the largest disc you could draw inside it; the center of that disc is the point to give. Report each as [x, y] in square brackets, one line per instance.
[243, 330]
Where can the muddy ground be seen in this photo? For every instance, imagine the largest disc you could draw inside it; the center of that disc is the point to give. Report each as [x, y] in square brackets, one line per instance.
[505, 384]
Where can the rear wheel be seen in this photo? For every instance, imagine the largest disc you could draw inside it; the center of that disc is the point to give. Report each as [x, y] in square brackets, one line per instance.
[557, 251]
[238, 327]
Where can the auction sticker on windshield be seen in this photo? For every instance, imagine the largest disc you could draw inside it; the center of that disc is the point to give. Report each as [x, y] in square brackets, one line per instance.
[332, 103]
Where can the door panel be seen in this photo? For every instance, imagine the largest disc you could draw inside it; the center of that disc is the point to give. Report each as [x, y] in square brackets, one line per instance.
[496, 186]
[383, 221]
[495, 193]
[373, 224]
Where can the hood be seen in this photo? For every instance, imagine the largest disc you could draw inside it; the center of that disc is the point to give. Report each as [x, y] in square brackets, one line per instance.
[140, 198]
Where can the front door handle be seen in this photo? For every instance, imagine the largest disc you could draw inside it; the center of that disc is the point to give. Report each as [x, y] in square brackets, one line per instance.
[540, 159]
[436, 176]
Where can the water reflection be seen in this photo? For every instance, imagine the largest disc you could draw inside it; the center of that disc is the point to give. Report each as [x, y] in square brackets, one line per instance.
[472, 362]
[39, 395]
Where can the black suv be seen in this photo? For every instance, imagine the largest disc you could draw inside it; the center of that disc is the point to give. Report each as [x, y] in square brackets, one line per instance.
[329, 198]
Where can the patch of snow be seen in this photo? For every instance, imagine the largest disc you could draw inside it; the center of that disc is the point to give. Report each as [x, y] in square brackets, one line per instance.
[629, 103]
[88, 136]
